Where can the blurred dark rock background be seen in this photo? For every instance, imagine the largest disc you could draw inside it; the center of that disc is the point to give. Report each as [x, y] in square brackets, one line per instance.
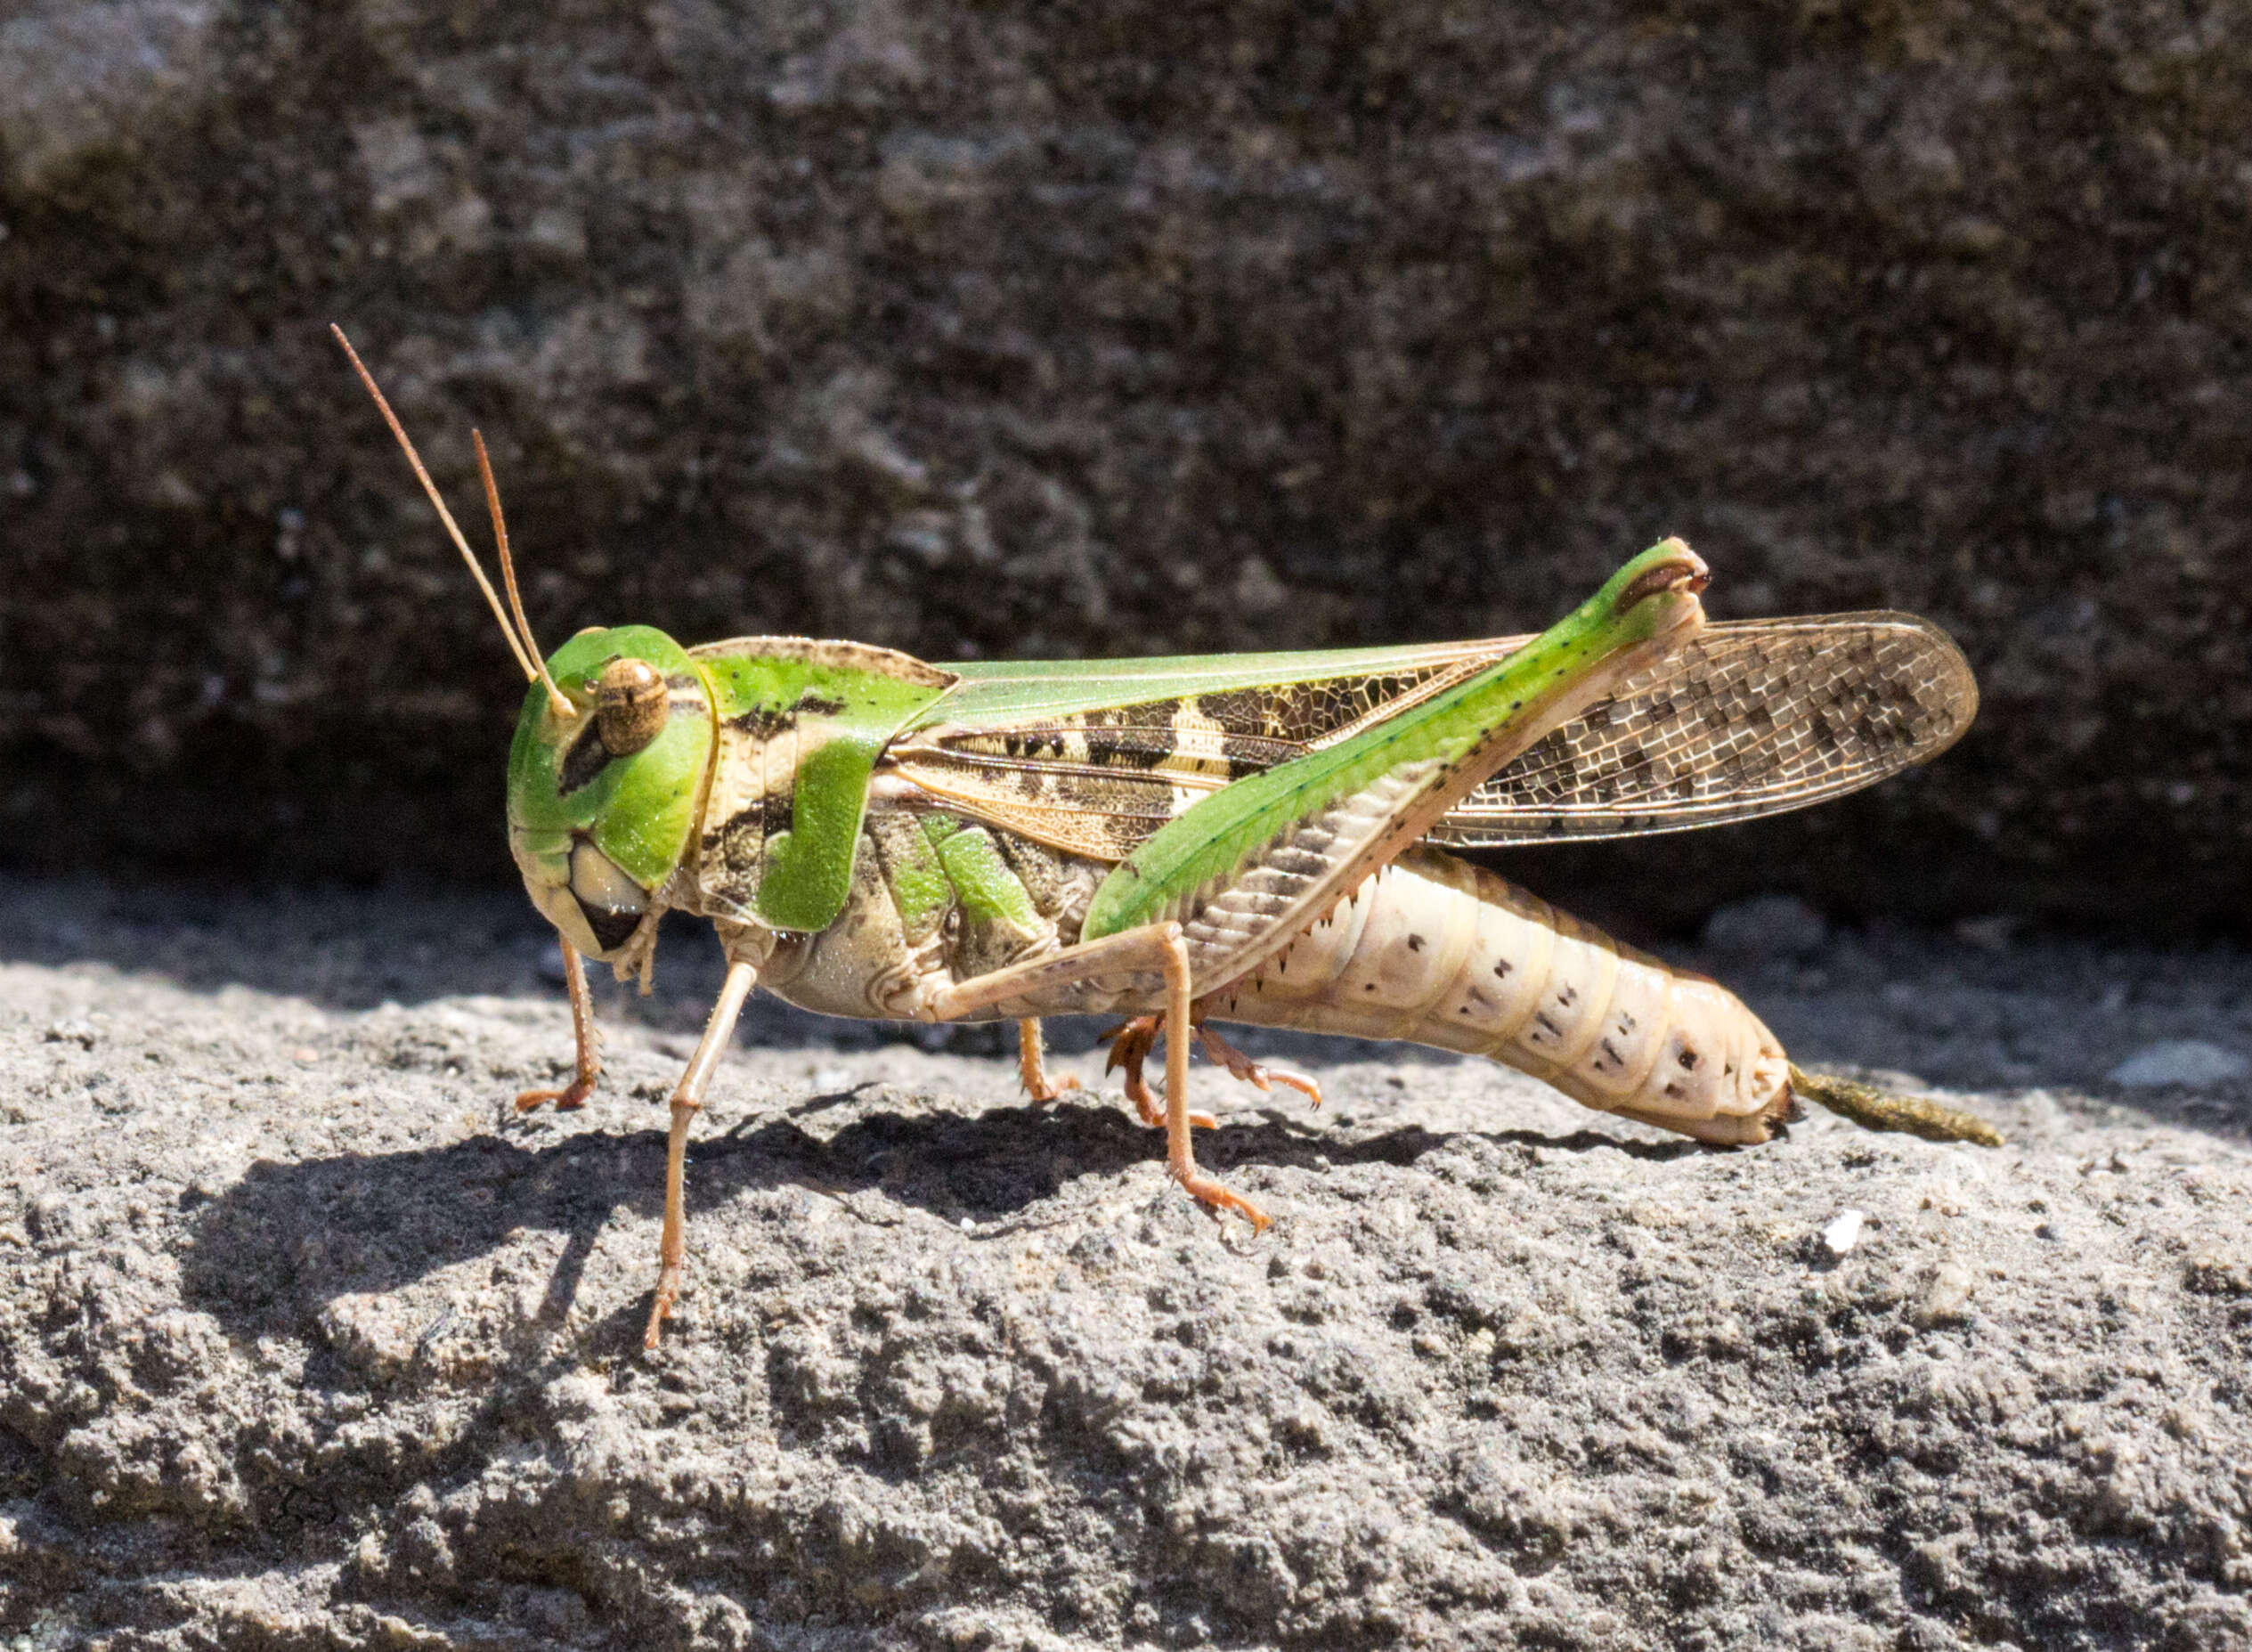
[1123, 327]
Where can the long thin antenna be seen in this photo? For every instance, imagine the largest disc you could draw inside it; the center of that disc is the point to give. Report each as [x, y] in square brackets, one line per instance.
[491, 597]
[561, 706]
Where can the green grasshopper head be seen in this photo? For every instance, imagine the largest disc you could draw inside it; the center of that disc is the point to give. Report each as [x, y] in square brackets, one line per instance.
[602, 803]
[607, 772]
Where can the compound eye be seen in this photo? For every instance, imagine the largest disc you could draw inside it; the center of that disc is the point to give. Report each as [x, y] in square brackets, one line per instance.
[630, 705]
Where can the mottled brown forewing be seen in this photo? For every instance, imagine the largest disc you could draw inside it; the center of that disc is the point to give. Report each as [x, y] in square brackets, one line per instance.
[1097, 783]
[1750, 718]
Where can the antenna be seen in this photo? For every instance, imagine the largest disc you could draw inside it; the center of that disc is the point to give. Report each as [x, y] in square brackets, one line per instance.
[562, 707]
[491, 597]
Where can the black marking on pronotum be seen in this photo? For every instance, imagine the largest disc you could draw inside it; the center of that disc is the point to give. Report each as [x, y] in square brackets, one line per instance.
[763, 723]
[777, 813]
[818, 704]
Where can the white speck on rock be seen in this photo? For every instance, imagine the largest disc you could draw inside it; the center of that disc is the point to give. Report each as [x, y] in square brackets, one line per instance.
[2191, 1062]
[1843, 1233]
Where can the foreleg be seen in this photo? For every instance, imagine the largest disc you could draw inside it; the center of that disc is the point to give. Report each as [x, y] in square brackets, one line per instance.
[589, 1041]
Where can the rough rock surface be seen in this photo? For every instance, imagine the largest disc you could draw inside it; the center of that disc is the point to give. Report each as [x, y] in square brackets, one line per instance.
[304, 1343]
[1025, 328]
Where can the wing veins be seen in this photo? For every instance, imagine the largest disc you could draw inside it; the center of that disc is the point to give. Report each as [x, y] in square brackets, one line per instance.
[1754, 718]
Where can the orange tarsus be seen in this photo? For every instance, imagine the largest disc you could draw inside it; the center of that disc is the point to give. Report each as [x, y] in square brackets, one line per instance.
[1242, 1066]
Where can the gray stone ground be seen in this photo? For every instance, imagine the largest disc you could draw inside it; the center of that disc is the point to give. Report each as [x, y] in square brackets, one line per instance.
[304, 1343]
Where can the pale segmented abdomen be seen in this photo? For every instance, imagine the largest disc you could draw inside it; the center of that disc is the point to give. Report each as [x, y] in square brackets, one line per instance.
[1437, 951]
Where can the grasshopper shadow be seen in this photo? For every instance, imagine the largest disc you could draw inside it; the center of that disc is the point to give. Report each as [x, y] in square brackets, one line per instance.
[289, 1238]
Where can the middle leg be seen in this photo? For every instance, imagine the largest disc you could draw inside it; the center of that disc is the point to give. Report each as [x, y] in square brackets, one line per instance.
[1131, 1043]
[687, 1101]
[1032, 1067]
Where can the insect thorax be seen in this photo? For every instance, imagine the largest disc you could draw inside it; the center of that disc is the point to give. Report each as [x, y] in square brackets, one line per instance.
[934, 901]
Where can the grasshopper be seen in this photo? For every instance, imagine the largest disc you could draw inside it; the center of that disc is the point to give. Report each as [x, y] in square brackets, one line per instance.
[1258, 838]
